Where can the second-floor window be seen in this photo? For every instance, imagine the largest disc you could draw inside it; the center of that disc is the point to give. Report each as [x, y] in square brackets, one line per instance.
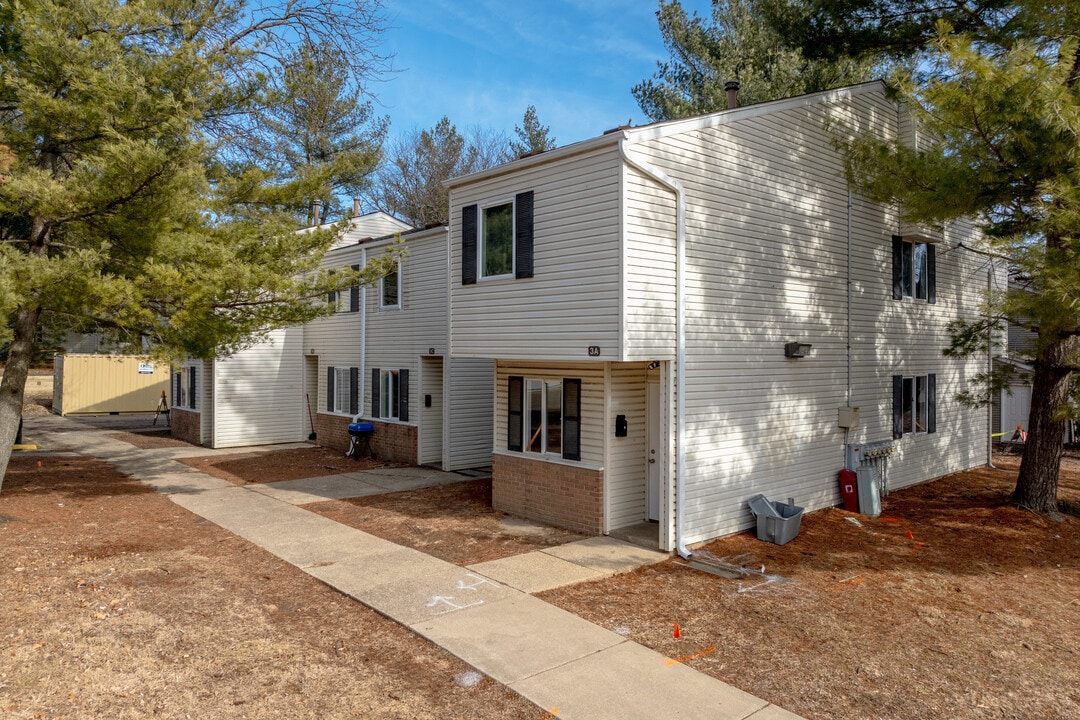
[497, 239]
[914, 270]
[390, 290]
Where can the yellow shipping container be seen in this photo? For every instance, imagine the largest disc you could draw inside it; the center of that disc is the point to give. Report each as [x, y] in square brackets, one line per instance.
[98, 384]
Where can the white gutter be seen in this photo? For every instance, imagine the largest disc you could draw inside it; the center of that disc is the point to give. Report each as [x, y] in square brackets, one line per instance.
[989, 367]
[680, 331]
[362, 380]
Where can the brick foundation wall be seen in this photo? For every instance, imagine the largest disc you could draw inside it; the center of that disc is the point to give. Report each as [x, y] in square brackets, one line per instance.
[562, 495]
[390, 441]
[186, 425]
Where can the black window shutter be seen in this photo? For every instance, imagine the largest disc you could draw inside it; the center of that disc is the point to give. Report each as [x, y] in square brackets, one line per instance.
[468, 245]
[329, 389]
[931, 274]
[376, 387]
[931, 403]
[177, 392]
[354, 390]
[523, 235]
[515, 405]
[192, 389]
[403, 395]
[897, 267]
[354, 295]
[897, 406]
[571, 442]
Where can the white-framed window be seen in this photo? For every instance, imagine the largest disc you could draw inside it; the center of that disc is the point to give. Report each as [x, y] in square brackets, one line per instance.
[914, 270]
[497, 239]
[496, 247]
[914, 404]
[544, 416]
[342, 390]
[389, 387]
[390, 290]
[345, 300]
[543, 409]
[186, 387]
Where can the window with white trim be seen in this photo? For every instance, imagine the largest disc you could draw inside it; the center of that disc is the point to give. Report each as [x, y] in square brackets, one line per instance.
[389, 386]
[497, 240]
[914, 404]
[390, 290]
[185, 387]
[914, 270]
[543, 408]
[345, 300]
[544, 416]
[342, 390]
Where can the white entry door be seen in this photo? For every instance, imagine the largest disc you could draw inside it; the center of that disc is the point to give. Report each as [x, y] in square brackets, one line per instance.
[654, 451]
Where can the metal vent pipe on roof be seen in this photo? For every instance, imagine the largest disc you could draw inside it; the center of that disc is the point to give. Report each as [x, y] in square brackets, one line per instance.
[317, 211]
[732, 89]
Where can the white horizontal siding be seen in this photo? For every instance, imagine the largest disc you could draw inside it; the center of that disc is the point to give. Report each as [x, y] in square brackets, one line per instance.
[649, 268]
[397, 337]
[258, 393]
[625, 476]
[336, 339]
[573, 300]
[766, 221]
[471, 400]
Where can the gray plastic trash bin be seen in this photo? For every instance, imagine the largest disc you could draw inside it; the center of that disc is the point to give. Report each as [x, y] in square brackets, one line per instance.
[777, 522]
[869, 497]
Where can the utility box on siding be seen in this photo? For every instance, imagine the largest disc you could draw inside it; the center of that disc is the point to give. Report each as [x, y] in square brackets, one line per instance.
[99, 384]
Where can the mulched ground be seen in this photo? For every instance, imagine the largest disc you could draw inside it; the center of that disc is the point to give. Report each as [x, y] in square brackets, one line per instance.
[455, 523]
[952, 604]
[117, 603]
[277, 465]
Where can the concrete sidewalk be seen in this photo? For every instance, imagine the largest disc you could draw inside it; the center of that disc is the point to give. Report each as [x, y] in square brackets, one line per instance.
[484, 614]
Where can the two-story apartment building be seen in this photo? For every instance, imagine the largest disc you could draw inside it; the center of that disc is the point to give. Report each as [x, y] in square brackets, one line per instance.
[683, 314]
[381, 354]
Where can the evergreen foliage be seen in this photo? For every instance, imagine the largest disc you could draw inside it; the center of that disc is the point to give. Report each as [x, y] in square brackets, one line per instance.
[734, 44]
[532, 136]
[999, 109]
[124, 203]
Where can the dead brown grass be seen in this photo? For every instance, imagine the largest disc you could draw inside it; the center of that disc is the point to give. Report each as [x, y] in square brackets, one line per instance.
[952, 604]
[119, 604]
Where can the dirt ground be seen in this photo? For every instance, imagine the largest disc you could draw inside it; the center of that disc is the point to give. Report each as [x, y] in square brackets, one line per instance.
[119, 604]
[951, 604]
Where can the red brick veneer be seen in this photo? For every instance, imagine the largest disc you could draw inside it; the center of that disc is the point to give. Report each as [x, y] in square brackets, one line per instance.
[390, 441]
[564, 495]
[186, 425]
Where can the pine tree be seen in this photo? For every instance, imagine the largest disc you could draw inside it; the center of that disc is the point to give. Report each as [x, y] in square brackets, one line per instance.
[532, 136]
[117, 212]
[1002, 112]
[734, 44]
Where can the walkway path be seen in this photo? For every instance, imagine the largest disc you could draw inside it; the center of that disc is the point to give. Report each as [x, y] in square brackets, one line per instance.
[484, 613]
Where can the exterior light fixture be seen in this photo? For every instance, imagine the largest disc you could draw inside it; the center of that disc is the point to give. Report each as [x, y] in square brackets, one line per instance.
[796, 349]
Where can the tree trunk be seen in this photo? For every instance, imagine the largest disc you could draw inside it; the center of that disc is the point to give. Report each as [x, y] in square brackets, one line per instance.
[1037, 484]
[14, 383]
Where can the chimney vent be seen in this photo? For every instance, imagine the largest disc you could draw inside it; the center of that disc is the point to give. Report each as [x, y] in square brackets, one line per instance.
[356, 207]
[732, 88]
[318, 211]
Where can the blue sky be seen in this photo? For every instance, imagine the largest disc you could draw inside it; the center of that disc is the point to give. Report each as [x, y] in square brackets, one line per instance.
[482, 62]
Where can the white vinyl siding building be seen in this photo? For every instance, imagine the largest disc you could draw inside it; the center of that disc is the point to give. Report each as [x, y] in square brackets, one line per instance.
[777, 249]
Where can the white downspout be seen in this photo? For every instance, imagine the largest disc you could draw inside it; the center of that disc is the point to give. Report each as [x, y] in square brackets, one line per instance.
[680, 331]
[989, 367]
[362, 380]
[847, 430]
